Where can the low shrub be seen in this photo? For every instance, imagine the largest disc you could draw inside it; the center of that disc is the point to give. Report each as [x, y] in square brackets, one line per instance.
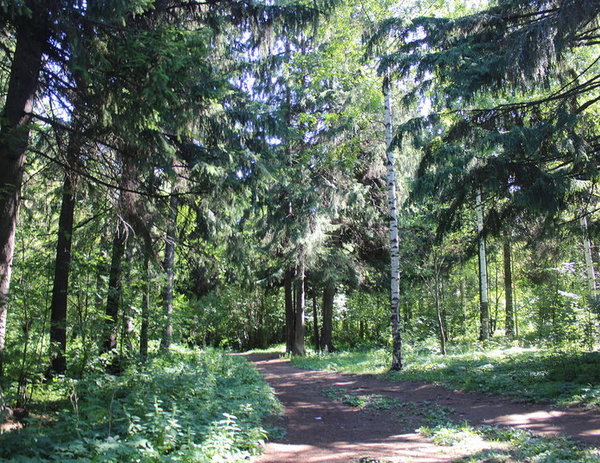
[184, 407]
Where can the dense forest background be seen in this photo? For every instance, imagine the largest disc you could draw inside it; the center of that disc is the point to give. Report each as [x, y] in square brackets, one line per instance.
[223, 174]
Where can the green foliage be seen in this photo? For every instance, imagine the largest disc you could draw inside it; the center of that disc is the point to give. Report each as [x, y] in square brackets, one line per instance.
[232, 317]
[509, 445]
[185, 406]
[513, 105]
[566, 378]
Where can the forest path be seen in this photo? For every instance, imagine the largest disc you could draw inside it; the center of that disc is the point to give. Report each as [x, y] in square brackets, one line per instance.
[319, 429]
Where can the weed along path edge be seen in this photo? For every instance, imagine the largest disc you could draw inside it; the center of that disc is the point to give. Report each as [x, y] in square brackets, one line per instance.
[335, 417]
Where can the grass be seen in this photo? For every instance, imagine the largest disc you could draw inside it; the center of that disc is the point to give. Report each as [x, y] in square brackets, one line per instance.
[274, 349]
[508, 445]
[186, 407]
[360, 361]
[533, 375]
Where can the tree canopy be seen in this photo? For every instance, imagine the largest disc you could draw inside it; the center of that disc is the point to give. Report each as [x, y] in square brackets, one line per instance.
[239, 174]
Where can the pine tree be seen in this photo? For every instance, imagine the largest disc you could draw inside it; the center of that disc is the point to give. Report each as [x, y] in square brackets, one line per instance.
[31, 22]
[512, 100]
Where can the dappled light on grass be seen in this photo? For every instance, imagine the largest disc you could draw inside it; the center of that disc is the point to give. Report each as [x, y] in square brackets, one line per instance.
[510, 445]
[364, 361]
[565, 378]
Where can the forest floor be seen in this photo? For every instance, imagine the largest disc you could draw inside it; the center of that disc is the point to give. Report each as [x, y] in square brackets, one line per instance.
[335, 417]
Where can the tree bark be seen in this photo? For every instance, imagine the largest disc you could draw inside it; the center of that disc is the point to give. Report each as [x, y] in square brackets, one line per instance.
[31, 36]
[327, 332]
[113, 299]
[145, 307]
[299, 348]
[60, 288]
[589, 263]
[444, 312]
[316, 342]
[289, 309]
[394, 243]
[463, 297]
[508, 290]
[126, 206]
[169, 268]
[484, 308]
[440, 316]
[408, 315]
[127, 324]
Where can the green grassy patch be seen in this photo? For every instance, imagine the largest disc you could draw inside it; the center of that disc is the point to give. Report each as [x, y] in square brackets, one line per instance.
[508, 445]
[423, 412]
[564, 378]
[274, 349]
[363, 361]
[185, 407]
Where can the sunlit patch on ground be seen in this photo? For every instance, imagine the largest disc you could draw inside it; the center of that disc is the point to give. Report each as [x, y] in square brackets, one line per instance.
[490, 444]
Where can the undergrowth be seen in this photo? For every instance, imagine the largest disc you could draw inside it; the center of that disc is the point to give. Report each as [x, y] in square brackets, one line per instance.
[185, 407]
[534, 375]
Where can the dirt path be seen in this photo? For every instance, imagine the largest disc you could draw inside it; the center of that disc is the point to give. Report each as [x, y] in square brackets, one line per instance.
[319, 429]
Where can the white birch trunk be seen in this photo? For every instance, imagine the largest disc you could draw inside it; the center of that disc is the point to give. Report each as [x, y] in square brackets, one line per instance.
[394, 244]
[484, 313]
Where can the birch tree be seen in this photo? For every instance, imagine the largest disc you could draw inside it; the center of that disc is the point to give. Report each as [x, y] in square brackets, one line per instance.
[394, 244]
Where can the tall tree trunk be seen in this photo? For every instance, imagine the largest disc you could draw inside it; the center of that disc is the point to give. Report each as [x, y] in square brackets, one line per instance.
[288, 285]
[327, 332]
[315, 323]
[484, 307]
[591, 282]
[444, 311]
[127, 326]
[408, 315]
[463, 297]
[589, 263]
[145, 306]
[169, 268]
[515, 310]
[290, 272]
[298, 348]
[394, 244]
[126, 205]
[113, 298]
[31, 36]
[508, 290]
[494, 319]
[60, 288]
[440, 317]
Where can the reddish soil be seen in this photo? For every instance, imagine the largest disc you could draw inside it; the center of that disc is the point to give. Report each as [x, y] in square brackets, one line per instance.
[319, 429]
